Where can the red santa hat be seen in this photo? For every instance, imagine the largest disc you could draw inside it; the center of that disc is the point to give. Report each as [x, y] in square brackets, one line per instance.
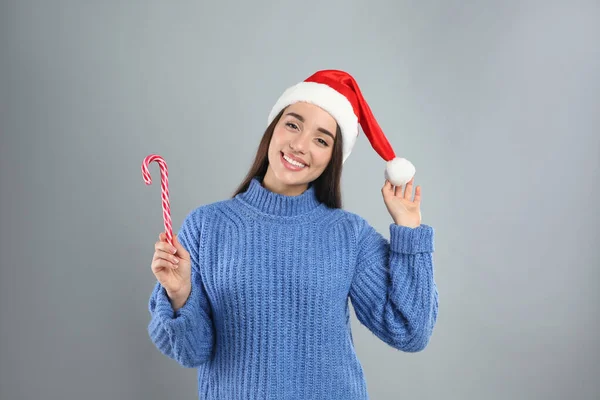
[338, 93]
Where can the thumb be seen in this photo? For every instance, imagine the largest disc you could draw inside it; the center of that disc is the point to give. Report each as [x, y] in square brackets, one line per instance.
[387, 190]
[181, 251]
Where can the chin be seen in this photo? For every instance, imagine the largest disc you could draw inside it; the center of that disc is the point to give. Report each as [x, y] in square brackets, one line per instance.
[291, 180]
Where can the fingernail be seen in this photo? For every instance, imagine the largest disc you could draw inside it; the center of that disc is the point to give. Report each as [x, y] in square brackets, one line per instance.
[173, 250]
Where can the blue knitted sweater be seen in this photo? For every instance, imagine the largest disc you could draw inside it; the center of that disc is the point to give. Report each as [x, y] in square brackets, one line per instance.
[268, 317]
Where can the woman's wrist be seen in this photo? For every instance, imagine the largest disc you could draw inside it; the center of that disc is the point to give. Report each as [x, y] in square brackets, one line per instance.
[179, 298]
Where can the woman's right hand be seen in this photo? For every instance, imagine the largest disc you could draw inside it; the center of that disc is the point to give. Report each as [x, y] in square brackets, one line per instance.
[172, 267]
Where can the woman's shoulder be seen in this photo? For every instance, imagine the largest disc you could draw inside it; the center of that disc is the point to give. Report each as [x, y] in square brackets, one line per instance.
[206, 210]
[202, 218]
[349, 218]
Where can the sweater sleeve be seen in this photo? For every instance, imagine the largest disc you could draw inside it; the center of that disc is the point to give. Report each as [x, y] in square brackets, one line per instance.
[185, 335]
[393, 291]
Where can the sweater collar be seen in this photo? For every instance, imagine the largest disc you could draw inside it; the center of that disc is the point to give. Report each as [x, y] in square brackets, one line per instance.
[275, 204]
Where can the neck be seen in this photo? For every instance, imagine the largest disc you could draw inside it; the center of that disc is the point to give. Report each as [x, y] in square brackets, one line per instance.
[268, 202]
[271, 183]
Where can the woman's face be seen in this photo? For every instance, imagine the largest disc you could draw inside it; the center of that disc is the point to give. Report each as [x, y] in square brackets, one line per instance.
[300, 149]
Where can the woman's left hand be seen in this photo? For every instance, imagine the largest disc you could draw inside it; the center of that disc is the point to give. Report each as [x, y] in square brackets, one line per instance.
[403, 209]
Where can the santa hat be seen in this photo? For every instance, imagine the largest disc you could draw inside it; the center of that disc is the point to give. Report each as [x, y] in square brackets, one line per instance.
[338, 93]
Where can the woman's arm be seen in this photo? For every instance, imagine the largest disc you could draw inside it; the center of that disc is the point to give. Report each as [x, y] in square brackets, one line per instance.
[185, 335]
[393, 291]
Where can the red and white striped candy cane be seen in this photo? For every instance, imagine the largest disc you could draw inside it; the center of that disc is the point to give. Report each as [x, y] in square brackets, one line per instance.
[164, 183]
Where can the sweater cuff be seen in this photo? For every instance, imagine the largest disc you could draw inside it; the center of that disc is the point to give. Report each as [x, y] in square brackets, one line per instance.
[173, 321]
[411, 240]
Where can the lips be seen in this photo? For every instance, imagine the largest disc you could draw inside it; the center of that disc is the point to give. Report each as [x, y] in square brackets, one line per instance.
[292, 166]
[301, 161]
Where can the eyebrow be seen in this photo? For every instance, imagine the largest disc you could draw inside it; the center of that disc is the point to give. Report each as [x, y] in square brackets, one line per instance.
[301, 118]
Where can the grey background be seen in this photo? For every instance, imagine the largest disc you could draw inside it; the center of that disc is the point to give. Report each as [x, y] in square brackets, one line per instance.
[496, 103]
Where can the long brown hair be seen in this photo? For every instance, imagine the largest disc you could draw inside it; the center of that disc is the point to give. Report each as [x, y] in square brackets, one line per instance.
[327, 185]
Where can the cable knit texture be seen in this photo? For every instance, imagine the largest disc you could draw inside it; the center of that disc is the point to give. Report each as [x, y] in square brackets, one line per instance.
[272, 276]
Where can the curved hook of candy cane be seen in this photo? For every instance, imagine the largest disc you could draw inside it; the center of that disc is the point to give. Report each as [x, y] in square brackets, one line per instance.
[164, 183]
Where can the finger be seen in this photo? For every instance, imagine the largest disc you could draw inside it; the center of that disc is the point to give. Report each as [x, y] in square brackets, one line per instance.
[165, 246]
[387, 189]
[409, 189]
[418, 195]
[160, 264]
[162, 255]
[163, 237]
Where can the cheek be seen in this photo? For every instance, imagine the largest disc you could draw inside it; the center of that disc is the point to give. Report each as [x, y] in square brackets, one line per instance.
[275, 146]
[276, 139]
[324, 157]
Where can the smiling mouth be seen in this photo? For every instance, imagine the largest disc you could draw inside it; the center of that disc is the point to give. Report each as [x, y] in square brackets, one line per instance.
[292, 164]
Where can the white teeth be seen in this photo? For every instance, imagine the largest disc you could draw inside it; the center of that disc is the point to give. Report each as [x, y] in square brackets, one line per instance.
[296, 163]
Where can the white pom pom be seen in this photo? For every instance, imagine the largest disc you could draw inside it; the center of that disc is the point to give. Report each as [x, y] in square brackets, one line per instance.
[399, 171]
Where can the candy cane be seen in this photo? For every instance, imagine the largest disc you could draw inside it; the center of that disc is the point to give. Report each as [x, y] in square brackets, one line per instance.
[164, 183]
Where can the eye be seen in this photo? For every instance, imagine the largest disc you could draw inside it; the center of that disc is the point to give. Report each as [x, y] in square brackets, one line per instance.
[323, 142]
[292, 125]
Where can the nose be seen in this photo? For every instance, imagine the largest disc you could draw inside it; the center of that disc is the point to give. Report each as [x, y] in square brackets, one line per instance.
[298, 143]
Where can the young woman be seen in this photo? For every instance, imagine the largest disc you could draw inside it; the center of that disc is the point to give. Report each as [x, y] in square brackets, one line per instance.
[255, 292]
